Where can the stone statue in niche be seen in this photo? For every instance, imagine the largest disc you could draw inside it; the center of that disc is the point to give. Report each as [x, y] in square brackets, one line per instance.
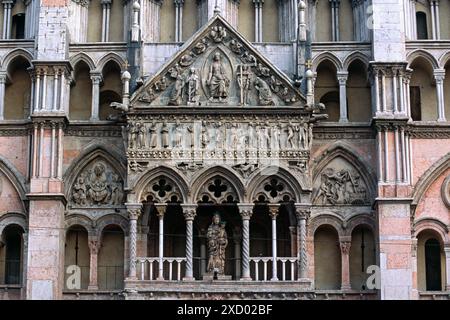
[219, 135]
[140, 128]
[340, 187]
[164, 135]
[290, 136]
[176, 95]
[302, 129]
[132, 135]
[217, 81]
[218, 34]
[217, 241]
[178, 136]
[193, 86]
[98, 185]
[190, 130]
[153, 135]
[264, 92]
[204, 137]
[244, 80]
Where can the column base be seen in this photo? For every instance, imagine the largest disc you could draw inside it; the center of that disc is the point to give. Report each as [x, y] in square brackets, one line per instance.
[90, 287]
[343, 120]
[346, 287]
[246, 279]
[160, 279]
[188, 279]
[274, 279]
[131, 278]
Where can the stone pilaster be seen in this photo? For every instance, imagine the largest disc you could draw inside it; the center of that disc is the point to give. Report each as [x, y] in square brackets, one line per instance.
[303, 213]
[94, 247]
[345, 245]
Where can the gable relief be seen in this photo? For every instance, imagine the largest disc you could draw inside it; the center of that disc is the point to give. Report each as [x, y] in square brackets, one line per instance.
[218, 69]
[339, 183]
[98, 185]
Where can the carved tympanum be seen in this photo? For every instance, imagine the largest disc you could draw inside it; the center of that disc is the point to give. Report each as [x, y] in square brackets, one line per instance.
[341, 187]
[97, 185]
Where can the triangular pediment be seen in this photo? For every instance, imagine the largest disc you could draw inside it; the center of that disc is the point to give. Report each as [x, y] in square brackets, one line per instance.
[218, 67]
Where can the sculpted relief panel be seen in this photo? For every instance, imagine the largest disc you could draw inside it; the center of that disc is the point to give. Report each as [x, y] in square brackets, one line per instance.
[218, 68]
[98, 185]
[340, 183]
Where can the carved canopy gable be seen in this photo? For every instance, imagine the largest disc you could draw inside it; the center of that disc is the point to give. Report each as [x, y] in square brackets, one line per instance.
[340, 183]
[218, 67]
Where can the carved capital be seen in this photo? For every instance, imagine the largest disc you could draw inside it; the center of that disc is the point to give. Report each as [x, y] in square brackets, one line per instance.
[345, 247]
[245, 210]
[303, 213]
[94, 246]
[189, 211]
[273, 210]
[134, 213]
[160, 209]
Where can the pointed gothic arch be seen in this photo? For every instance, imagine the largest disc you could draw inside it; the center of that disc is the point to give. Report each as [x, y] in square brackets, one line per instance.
[227, 182]
[174, 177]
[12, 55]
[81, 56]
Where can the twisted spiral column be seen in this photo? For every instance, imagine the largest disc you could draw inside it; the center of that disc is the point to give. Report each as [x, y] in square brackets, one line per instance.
[133, 214]
[246, 212]
[189, 212]
[302, 217]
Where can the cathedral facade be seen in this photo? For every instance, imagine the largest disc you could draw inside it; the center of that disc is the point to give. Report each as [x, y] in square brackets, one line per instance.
[223, 149]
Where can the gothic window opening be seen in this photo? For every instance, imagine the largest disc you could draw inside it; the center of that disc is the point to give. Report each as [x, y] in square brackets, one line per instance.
[18, 26]
[421, 22]
[425, 95]
[362, 255]
[111, 259]
[76, 254]
[12, 255]
[327, 259]
[81, 93]
[433, 265]
[18, 90]
[110, 90]
[358, 93]
[327, 90]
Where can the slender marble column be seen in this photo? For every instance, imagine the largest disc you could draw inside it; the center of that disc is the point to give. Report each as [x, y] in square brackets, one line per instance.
[447, 267]
[342, 78]
[2, 95]
[161, 210]
[246, 211]
[96, 79]
[439, 76]
[189, 212]
[273, 212]
[345, 269]
[94, 246]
